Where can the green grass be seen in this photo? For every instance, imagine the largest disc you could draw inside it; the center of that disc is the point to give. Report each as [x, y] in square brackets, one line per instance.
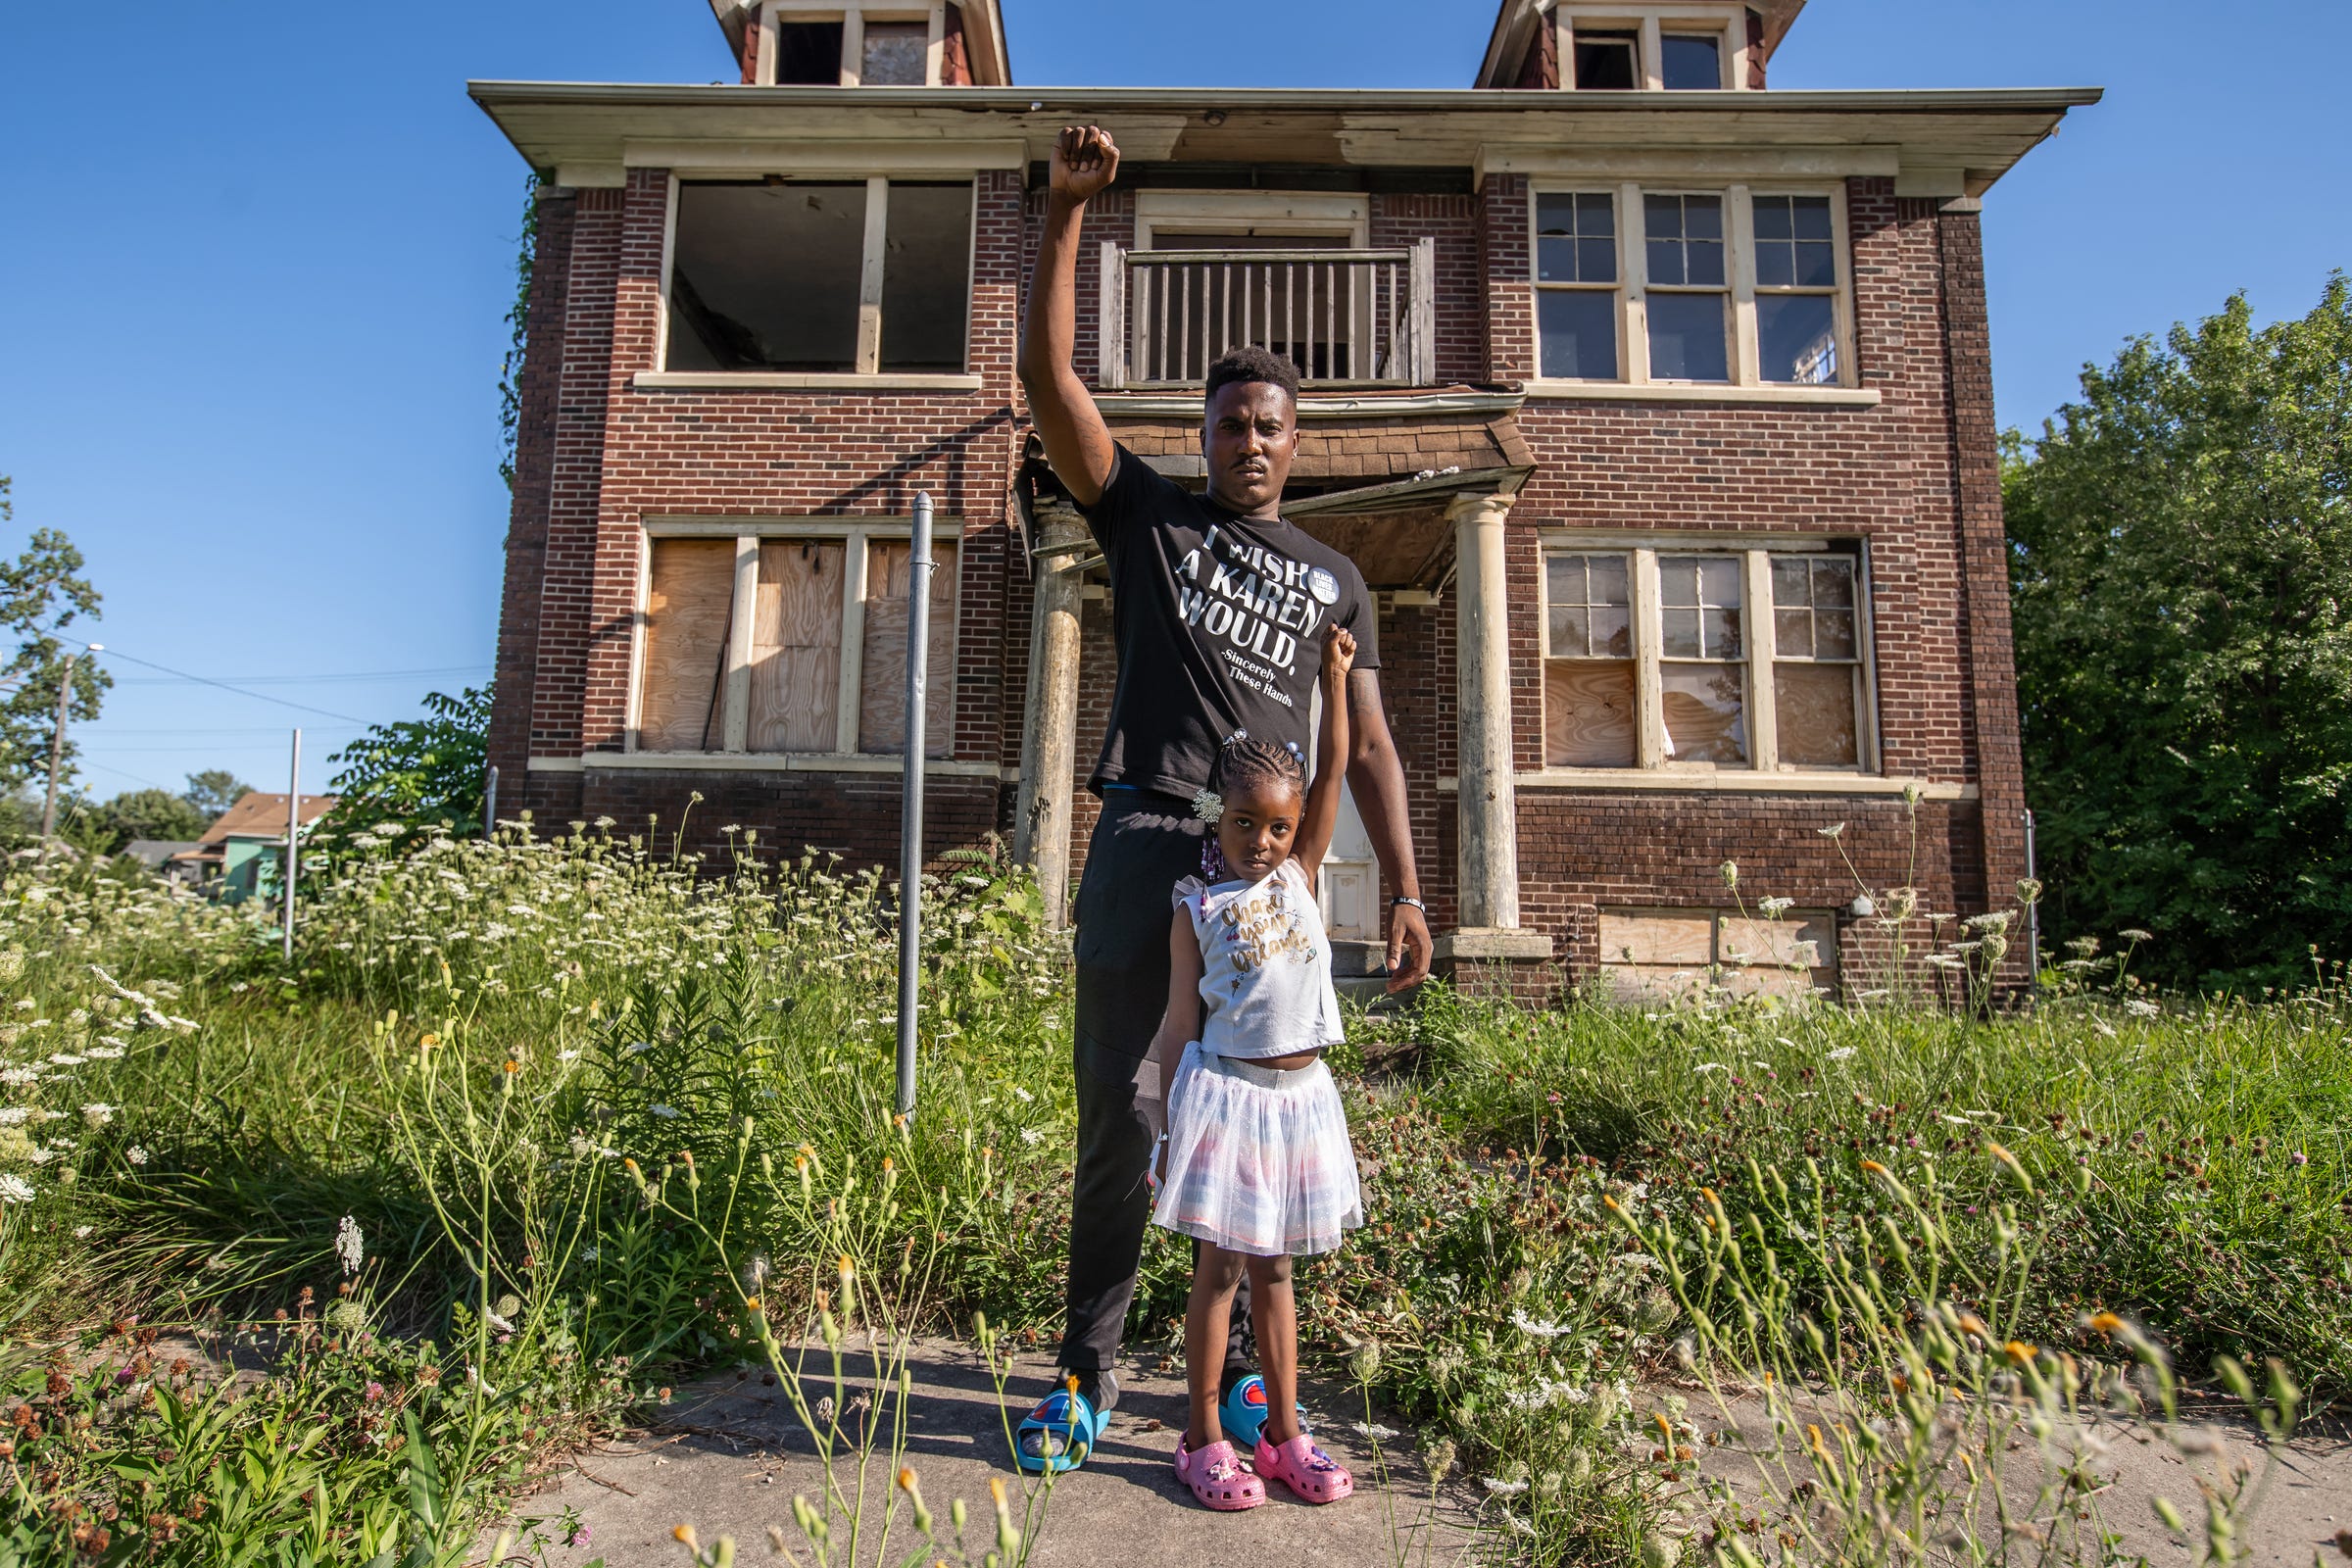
[602, 1122]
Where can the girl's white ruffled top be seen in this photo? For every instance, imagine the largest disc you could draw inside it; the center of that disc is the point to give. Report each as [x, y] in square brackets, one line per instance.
[1265, 966]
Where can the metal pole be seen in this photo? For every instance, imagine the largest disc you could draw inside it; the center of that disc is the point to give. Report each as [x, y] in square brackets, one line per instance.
[2033, 921]
[490, 806]
[293, 826]
[911, 815]
[57, 749]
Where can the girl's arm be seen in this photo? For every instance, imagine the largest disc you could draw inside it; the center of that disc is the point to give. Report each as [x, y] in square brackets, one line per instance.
[1180, 1024]
[1322, 813]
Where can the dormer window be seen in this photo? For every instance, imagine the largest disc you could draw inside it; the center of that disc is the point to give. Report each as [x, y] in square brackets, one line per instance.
[1608, 61]
[808, 54]
[896, 54]
[1690, 62]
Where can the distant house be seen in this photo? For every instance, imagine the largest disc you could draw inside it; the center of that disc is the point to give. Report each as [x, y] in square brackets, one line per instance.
[240, 854]
[159, 854]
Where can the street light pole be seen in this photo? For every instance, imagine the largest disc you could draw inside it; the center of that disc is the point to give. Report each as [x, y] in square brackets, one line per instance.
[57, 742]
[910, 811]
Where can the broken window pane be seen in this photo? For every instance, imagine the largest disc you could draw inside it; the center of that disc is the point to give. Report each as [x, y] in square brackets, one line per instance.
[926, 276]
[1817, 677]
[795, 647]
[808, 54]
[1700, 599]
[765, 276]
[1797, 335]
[896, 54]
[1705, 711]
[1589, 712]
[688, 609]
[1685, 236]
[1604, 62]
[1687, 340]
[1591, 608]
[1578, 329]
[882, 703]
[1691, 62]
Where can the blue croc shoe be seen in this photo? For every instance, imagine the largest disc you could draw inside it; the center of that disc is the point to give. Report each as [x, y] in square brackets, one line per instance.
[1059, 1433]
[1242, 1413]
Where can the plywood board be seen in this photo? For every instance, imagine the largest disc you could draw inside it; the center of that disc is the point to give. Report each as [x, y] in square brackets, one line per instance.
[1589, 719]
[1677, 937]
[1815, 708]
[882, 697]
[1655, 955]
[687, 605]
[795, 647]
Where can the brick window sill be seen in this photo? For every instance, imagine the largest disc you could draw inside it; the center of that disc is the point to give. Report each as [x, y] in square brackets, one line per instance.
[1819, 397]
[795, 381]
[1709, 781]
[757, 762]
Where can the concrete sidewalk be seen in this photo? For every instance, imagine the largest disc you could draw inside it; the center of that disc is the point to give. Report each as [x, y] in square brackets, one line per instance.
[727, 1456]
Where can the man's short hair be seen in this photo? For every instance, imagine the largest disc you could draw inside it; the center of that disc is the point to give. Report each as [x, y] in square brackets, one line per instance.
[1250, 362]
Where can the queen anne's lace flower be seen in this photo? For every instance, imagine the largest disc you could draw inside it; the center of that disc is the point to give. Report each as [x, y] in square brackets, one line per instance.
[1209, 806]
[14, 1190]
[351, 1248]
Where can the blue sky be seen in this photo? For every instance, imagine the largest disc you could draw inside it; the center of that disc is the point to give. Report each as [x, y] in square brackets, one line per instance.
[257, 256]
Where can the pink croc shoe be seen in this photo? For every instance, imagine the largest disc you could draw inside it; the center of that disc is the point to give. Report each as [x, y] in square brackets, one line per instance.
[1316, 1476]
[1218, 1479]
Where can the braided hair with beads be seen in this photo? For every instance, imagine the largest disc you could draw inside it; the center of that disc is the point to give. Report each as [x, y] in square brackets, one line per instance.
[1242, 761]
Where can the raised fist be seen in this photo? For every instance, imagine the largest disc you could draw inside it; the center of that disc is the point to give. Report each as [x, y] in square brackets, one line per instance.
[1339, 653]
[1085, 161]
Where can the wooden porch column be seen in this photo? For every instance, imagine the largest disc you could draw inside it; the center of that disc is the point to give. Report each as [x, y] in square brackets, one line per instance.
[1040, 822]
[1489, 817]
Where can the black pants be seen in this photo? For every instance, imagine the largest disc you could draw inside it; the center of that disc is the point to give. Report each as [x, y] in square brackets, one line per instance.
[1143, 844]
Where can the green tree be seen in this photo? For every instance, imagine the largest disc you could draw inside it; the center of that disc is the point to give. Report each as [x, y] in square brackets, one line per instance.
[214, 791]
[2181, 576]
[429, 769]
[40, 596]
[150, 814]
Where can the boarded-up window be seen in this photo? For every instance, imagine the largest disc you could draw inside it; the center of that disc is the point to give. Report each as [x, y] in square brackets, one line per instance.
[1817, 668]
[896, 54]
[1652, 955]
[687, 607]
[1588, 694]
[1703, 669]
[882, 705]
[795, 647]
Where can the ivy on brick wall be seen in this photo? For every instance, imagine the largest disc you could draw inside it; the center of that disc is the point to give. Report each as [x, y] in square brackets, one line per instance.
[518, 322]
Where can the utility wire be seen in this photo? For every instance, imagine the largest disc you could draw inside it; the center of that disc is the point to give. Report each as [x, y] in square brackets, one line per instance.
[206, 680]
[351, 677]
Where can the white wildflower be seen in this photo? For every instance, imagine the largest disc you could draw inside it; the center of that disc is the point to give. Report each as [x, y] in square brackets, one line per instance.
[1374, 1431]
[14, 1190]
[14, 1115]
[1022, 1095]
[65, 1058]
[351, 1248]
[20, 1077]
[2142, 1008]
[666, 1112]
[1774, 908]
[1540, 1329]
[82, 1233]
[135, 1154]
[1209, 806]
[103, 1053]
[1505, 1489]
[1710, 1066]
[1841, 1053]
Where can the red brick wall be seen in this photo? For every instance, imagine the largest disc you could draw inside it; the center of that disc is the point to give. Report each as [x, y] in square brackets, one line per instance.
[1915, 476]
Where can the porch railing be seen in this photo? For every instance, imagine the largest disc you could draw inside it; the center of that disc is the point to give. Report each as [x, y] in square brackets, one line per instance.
[1353, 317]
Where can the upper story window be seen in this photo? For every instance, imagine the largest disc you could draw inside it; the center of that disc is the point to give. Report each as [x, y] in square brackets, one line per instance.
[807, 54]
[1607, 62]
[1727, 287]
[848, 43]
[865, 276]
[792, 643]
[1652, 659]
[1690, 62]
[1656, 45]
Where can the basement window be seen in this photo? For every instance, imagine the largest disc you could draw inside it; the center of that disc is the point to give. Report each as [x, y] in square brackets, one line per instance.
[896, 55]
[1690, 62]
[1607, 62]
[808, 54]
[842, 277]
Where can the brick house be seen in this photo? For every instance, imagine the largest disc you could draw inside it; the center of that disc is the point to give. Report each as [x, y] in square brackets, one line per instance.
[1657, 405]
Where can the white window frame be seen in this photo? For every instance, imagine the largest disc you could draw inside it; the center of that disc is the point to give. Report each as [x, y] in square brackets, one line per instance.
[854, 534]
[1740, 257]
[853, 18]
[1617, 290]
[868, 366]
[1652, 22]
[1758, 646]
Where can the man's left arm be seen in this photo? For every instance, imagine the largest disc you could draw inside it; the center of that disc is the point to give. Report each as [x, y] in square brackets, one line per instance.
[1375, 777]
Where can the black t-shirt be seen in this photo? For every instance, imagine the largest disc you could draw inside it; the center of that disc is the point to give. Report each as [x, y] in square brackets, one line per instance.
[1219, 621]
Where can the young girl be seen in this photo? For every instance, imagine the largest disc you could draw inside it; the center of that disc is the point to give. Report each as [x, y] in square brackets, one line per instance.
[1255, 1163]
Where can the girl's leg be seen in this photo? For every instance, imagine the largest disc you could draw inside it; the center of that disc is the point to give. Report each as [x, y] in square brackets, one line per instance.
[1275, 1309]
[1216, 1274]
